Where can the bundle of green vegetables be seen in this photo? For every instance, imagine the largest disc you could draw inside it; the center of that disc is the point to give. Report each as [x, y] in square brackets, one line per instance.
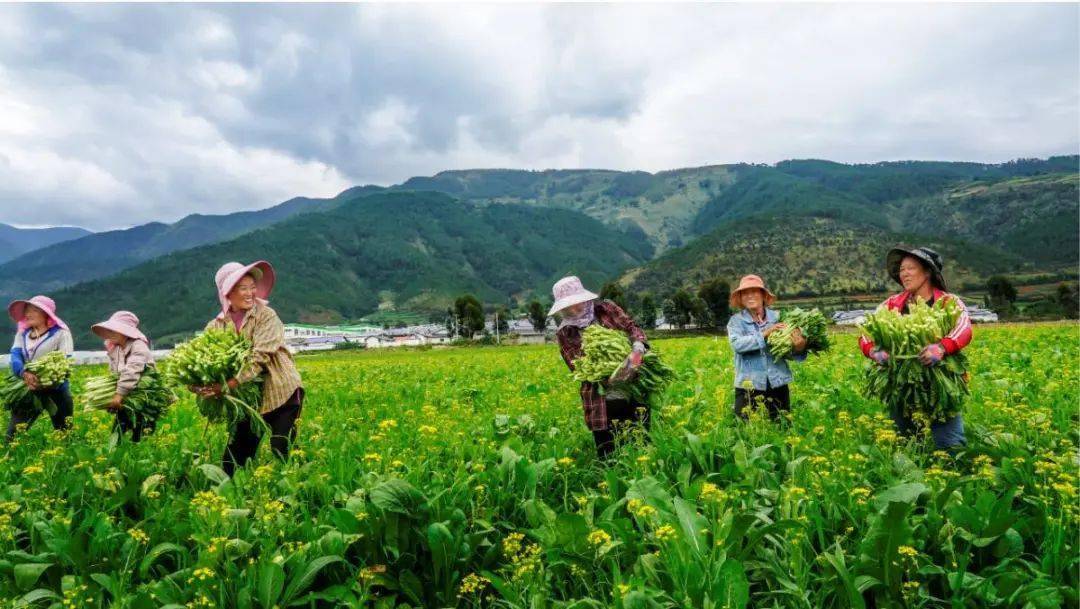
[51, 370]
[214, 357]
[812, 324]
[150, 398]
[924, 393]
[606, 350]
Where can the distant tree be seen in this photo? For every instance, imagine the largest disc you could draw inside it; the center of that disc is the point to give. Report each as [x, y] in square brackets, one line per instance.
[502, 319]
[683, 308]
[716, 293]
[669, 310]
[614, 292]
[699, 313]
[1068, 297]
[468, 315]
[1002, 294]
[537, 316]
[647, 318]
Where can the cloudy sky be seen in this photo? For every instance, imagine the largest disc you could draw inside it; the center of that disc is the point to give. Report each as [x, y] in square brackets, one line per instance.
[121, 114]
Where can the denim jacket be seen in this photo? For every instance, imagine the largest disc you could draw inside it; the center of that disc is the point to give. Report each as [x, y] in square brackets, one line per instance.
[753, 361]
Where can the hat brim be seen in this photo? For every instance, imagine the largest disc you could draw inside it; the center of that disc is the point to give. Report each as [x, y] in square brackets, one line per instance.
[17, 311]
[572, 300]
[897, 254]
[264, 276]
[736, 303]
[119, 328]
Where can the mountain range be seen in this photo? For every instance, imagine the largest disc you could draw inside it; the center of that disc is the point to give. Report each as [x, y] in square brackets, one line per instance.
[16, 241]
[808, 226]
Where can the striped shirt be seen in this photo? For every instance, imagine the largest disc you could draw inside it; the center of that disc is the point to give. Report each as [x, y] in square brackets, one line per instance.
[954, 341]
[270, 360]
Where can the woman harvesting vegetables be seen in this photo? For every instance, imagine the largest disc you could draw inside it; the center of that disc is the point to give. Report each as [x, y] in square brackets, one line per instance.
[130, 359]
[607, 408]
[40, 332]
[242, 292]
[919, 272]
[758, 375]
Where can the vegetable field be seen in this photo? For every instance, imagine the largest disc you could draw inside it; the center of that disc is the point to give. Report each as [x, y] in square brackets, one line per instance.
[466, 477]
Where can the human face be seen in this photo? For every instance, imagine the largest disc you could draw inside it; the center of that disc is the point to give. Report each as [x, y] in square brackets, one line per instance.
[752, 299]
[575, 310]
[913, 275]
[242, 296]
[115, 338]
[35, 317]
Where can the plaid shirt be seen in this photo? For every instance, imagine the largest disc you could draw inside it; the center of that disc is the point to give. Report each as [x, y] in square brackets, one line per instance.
[609, 315]
[270, 358]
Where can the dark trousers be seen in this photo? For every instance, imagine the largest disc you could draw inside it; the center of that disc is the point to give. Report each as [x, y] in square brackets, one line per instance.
[947, 434]
[623, 416]
[65, 407]
[776, 399]
[126, 421]
[245, 441]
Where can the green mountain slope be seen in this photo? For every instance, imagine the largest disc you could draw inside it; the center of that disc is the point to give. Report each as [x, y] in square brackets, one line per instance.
[662, 206]
[103, 254]
[16, 241]
[805, 255]
[416, 251]
[1037, 217]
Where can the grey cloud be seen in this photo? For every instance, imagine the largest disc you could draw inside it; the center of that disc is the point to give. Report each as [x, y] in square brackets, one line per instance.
[119, 114]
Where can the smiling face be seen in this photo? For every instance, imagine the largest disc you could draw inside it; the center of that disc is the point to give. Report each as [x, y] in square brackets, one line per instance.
[752, 299]
[913, 275]
[242, 296]
[35, 317]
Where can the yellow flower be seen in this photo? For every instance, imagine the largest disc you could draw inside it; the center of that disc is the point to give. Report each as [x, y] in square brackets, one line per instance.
[139, 536]
[638, 508]
[565, 462]
[30, 470]
[710, 492]
[664, 533]
[473, 583]
[599, 537]
[428, 430]
[907, 551]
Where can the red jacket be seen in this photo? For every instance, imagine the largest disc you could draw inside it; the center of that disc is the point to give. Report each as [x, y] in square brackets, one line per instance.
[954, 341]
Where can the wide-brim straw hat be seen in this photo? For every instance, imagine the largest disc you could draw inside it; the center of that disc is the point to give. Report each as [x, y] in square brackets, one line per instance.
[751, 282]
[930, 259]
[17, 310]
[231, 273]
[124, 323]
[568, 292]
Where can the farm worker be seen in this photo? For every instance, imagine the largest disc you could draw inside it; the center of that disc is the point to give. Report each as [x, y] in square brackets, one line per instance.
[242, 293]
[759, 378]
[612, 411]
[918, 271]
[40, 332]
[129, 357]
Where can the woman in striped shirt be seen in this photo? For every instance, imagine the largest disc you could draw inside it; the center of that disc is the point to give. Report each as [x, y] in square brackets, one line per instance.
[242, 293]
[918, 271]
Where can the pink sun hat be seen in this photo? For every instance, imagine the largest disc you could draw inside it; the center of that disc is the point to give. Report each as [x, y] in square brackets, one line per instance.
[121, 322]
[17, 311]
[231, 273]
[568, 291]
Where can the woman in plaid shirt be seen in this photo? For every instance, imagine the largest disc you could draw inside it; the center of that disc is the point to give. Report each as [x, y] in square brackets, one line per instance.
[610, 412]
[242, 293]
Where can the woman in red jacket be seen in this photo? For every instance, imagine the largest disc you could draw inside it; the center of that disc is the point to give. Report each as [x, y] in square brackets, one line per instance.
[918, 271]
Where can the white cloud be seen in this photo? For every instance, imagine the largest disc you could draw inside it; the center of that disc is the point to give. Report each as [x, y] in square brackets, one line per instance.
[155, 111]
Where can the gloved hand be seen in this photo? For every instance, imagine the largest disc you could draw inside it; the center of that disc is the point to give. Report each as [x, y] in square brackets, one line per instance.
[931, 355]
[880, 356]
[629, 368]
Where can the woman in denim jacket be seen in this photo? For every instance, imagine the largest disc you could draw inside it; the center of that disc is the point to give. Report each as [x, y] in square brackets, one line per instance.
[758, 377]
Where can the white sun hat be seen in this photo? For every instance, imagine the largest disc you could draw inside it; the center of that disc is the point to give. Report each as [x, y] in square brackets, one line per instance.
[568, 291]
